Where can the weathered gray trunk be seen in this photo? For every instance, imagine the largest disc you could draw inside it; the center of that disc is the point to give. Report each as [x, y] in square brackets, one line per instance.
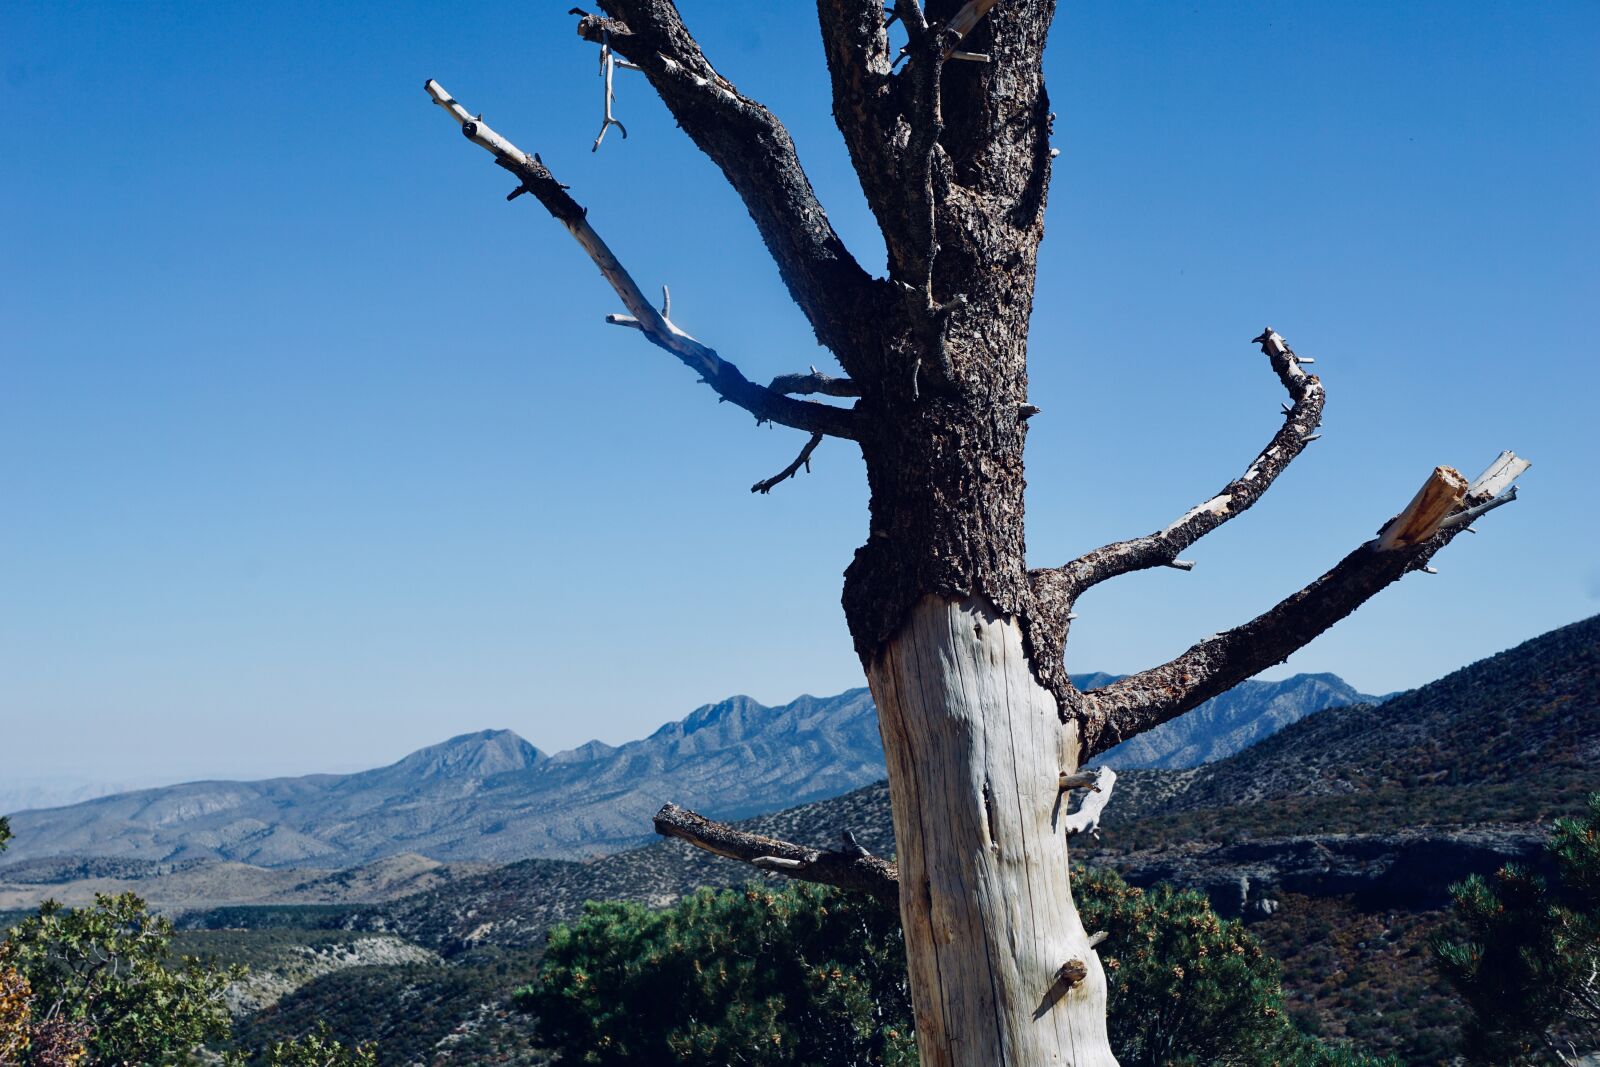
[975, 749]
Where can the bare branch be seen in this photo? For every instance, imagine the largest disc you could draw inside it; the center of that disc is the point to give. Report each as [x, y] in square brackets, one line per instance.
[729, 383]
[1132, 705]
[755, 153]
[962, 22]
[802, 460]
[1161, 548]
[814, 382]
[856, 40]
[845, 870]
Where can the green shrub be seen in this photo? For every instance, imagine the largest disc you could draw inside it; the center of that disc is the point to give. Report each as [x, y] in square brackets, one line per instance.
[103, 985]
[797, 975]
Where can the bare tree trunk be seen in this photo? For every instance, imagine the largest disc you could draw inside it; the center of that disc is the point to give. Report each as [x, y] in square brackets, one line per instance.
[975, 749]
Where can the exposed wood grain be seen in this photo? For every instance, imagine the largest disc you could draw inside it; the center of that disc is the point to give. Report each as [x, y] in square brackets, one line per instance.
[1441, 494]
[975, 763]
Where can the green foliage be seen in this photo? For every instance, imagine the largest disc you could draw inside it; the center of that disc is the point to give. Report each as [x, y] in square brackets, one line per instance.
[104, 977]
[806, 975]
[5, 832]
[1531, 951]
[797, 975]
[1184, 986]
[316, 1049]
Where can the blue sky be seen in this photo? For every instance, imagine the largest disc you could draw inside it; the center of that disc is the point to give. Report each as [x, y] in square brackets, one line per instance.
[313, 450]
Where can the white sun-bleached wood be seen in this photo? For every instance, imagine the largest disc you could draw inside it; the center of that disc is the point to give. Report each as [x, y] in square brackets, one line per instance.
[1497, 478]
[1086, 820]
[976, 751]
[1441, 494]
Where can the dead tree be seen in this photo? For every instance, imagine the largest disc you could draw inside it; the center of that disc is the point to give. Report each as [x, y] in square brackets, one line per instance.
[961, 641]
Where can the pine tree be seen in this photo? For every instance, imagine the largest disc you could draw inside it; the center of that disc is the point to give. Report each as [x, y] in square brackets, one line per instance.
[1528, 962]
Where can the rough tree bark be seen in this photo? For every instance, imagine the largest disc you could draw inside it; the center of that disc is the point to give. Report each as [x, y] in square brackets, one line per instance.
[962, 643]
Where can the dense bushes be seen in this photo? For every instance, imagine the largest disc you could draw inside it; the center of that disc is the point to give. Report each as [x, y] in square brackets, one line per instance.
[807, 975]
[797, 975]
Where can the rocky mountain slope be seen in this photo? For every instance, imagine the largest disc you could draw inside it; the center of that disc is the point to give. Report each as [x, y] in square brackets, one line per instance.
[1512, 738]
[492, 796]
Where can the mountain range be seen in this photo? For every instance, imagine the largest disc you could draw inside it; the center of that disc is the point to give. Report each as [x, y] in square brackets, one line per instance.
[1336, 838]
[492, 796]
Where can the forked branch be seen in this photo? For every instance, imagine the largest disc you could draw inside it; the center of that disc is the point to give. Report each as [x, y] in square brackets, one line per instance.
[847, 870]
[1161, 548]
[730, 384]
[1139, 702]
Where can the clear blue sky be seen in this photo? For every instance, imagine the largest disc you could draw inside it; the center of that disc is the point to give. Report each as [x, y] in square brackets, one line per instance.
[313, 450]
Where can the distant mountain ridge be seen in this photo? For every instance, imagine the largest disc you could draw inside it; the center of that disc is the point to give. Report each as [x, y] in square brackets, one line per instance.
[493, 796]
[1232, 723]
[484, 796]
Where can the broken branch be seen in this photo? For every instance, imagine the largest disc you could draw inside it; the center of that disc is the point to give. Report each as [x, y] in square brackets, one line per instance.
[608, 70]
[844, 870]
[1139, 702]
[717, 372]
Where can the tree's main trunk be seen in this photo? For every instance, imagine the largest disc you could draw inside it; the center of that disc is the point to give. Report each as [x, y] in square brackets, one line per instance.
[975, 749]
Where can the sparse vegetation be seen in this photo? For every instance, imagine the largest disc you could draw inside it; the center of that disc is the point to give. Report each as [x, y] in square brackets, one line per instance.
[451, 1013]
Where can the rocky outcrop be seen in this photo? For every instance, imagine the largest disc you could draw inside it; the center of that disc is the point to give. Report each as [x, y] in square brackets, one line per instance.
[1407, 869]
